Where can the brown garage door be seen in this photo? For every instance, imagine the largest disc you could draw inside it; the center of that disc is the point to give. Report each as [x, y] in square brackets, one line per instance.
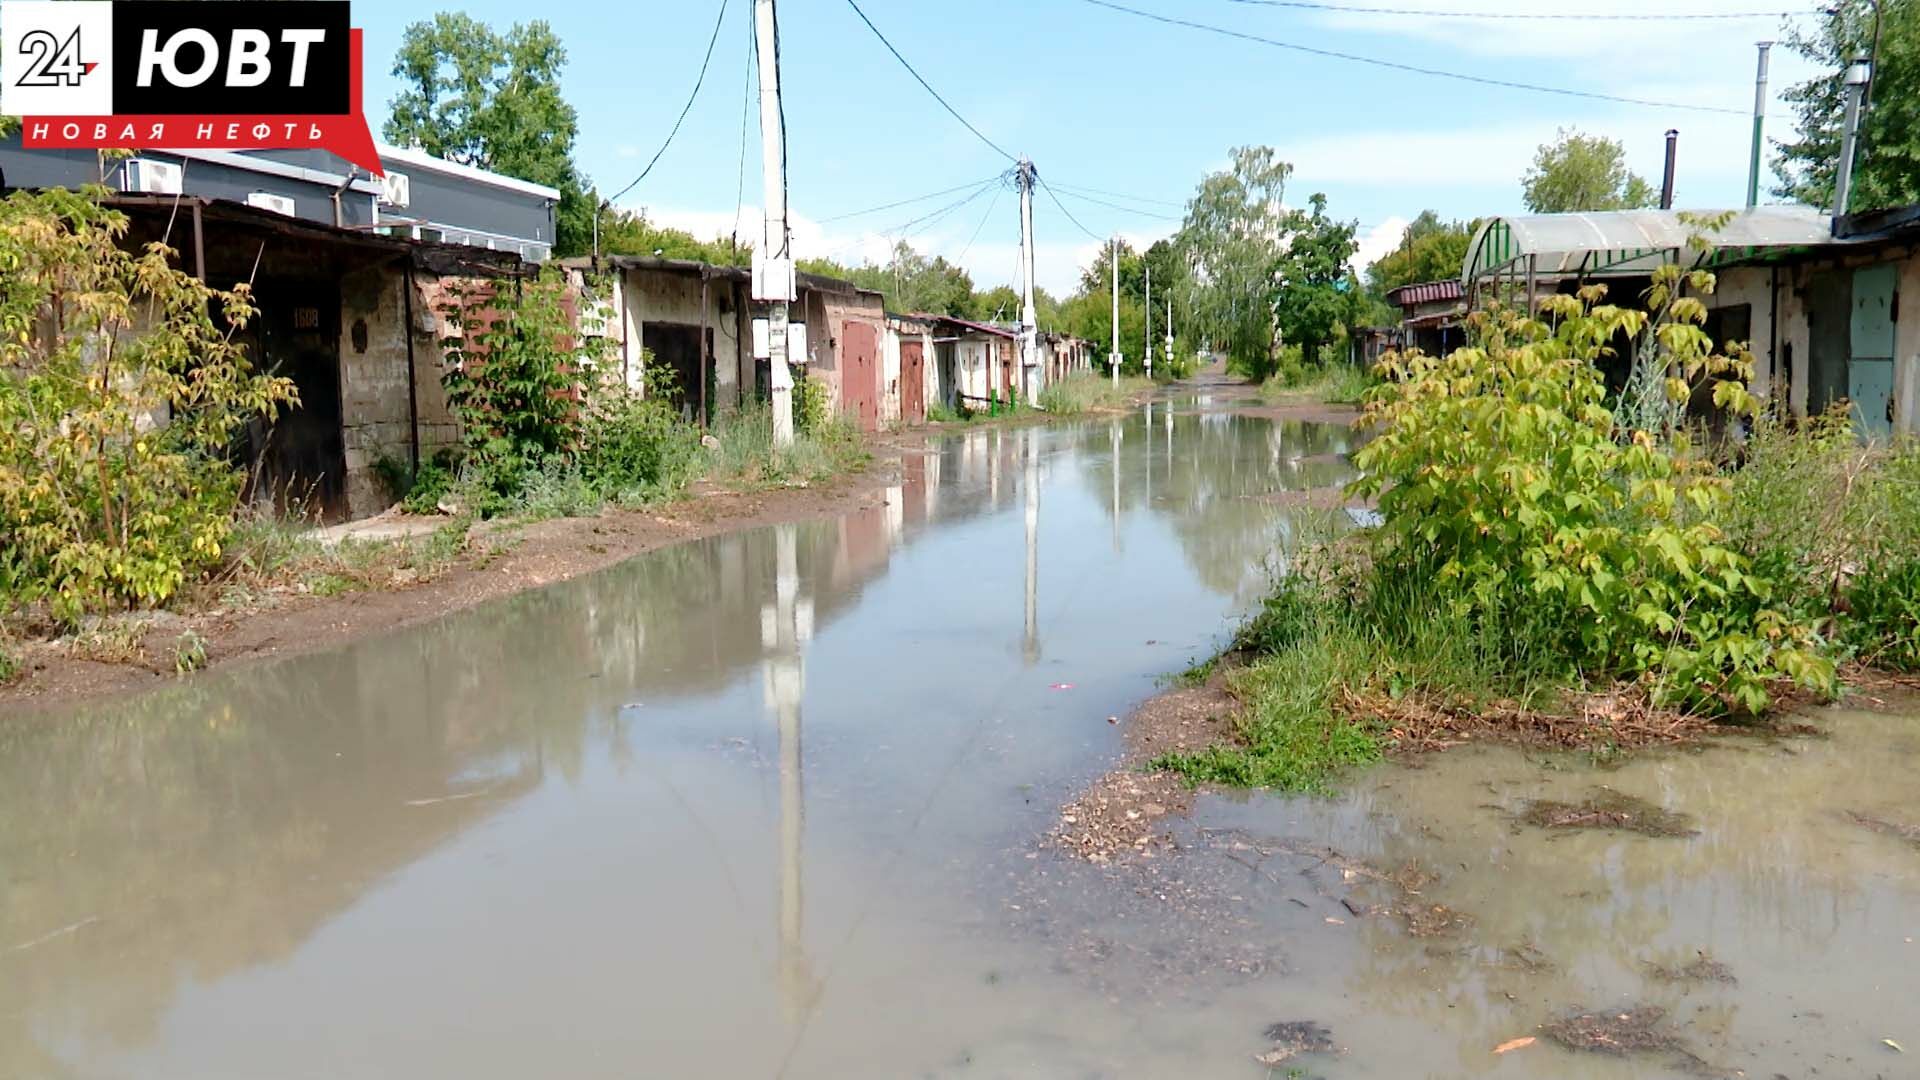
[913, 382]
[859, 367]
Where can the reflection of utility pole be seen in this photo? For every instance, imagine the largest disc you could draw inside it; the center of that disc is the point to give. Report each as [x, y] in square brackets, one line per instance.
[784, 631]
[1031, 649]
[1114, 429]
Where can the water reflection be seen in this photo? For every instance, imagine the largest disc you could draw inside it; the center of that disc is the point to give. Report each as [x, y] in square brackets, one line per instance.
[282, 826]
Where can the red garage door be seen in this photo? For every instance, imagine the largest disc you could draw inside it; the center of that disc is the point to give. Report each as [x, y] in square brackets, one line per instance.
[859, 374]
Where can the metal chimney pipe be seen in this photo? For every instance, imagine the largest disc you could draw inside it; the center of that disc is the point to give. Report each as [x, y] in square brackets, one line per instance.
[1759, 125]
[1858, 74]
[1666, 179]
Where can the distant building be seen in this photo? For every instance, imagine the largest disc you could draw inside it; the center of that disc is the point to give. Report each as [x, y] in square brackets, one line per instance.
[421, 197]
[1431, 314]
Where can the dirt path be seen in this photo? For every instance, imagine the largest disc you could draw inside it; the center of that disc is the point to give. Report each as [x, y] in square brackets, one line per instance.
[510, 561]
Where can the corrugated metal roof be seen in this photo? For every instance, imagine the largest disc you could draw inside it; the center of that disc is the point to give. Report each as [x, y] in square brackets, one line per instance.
[1634, 241]
[1426, 292]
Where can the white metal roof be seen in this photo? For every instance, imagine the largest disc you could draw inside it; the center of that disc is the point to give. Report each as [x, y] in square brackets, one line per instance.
[1633, 241]
[420, 159]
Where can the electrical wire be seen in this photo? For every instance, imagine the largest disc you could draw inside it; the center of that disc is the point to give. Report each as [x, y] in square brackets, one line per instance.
[684, 109]
[1332, 54]
[917, 198]
[746, 111]
[1083, 190]
[951, 111]
[931, 218]
[1152, 214]
[1048, 188]
[1586, 16]
[992, 205]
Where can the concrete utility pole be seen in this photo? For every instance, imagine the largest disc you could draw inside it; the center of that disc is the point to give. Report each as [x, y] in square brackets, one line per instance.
[1169, 321]
[1149, 353]
[1759, 125]
[773, 262]
[1113, 358]
[1859, 73]
[1029, 316]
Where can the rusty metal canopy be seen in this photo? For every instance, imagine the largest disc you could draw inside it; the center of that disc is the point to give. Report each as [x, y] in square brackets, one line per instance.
[1634, 242]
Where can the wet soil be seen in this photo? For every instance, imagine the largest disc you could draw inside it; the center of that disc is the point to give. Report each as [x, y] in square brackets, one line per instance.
[1312, 412]
[499, 563]
[1607, 810]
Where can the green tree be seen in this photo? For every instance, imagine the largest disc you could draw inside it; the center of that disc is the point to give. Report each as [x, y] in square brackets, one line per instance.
[1583, 172]
[626, 233]
[1233, 236]
[1887, 166]
[1430, 250]
[492, 100]
[1316, 294]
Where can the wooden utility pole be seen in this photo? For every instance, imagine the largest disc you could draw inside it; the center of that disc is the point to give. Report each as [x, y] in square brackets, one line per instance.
[1029, 315]
[773, 281]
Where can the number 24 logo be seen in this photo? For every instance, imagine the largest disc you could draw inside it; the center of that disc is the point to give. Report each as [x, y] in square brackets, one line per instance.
[54, 62]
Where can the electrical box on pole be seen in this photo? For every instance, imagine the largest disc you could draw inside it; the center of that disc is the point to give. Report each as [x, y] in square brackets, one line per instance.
[773, 277]
[1029, 315]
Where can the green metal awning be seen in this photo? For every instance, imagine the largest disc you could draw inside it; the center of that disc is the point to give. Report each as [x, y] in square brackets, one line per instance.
[1633, 242]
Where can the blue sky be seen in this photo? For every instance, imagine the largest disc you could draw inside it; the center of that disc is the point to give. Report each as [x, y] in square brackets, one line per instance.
[1105, 100]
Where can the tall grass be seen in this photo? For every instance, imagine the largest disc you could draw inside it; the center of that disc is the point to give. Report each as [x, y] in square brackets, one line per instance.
[745, 456]
[1337, 383]
[1086, 392]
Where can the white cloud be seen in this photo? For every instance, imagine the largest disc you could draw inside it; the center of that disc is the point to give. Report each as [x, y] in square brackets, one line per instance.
[1377, 241]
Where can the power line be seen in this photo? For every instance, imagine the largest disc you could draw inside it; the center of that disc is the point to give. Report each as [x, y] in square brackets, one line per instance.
[1048, 188]
[1081, 189]
[951, 111]
[746, 110]
[685, 109]
[1414, 69]
[992, 205]
[1153, 214]
[917, 198]
[1587, 16]
[929, 219]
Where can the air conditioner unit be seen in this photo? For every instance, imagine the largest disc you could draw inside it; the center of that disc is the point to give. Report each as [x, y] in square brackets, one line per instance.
[396, 190]
[267, 200]
[151, 177]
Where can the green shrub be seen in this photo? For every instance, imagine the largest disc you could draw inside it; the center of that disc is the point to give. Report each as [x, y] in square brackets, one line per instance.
[1883, 615]
[430, 486]
[513, 369]
[100, 506]
[636, 450]
[811, 410]
[1503, 488]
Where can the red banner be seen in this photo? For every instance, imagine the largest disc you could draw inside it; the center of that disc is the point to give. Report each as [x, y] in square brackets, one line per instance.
[347, 136]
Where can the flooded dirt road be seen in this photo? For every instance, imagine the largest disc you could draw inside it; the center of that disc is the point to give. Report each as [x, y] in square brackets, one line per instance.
[773, 804]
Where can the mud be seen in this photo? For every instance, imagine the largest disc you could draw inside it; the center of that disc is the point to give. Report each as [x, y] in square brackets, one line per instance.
[1608, 810]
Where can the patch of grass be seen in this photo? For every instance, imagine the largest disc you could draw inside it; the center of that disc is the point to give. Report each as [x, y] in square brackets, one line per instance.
[1337, 383]
[111, 641]
[189, 653]
[10, 665]
[1609, 810]
[1083, 393]
[746, 458]
[942, 413]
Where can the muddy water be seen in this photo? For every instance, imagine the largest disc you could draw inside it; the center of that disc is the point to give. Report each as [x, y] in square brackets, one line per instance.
[770, 805]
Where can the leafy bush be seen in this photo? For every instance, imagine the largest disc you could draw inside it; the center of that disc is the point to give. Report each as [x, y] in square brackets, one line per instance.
[636, 449]
[120, 395]
[513, 369]
[1503, 485]
[811, 411]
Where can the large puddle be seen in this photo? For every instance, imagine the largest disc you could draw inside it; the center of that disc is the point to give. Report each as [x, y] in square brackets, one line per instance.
[770, 804]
